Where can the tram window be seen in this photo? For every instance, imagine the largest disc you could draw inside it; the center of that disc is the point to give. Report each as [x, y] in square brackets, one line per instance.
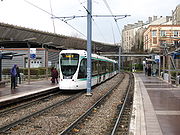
[102, 67]
[83, 69]
[69, 63]
[111, 67]
[107, 67]
[94, 67]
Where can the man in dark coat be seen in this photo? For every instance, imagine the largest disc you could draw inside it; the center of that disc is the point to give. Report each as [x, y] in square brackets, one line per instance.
[13, 73]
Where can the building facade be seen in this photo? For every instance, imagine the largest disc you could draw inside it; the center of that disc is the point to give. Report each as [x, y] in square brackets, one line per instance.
[128, 36]
[157, 36]
[39, 61]
[131, 41]
[176, 16]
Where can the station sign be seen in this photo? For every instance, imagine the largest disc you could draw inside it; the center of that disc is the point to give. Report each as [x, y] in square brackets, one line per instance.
[32, 53]
[157, 58]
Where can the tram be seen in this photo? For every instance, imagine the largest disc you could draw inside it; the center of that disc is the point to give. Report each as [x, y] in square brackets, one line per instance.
[73, 69]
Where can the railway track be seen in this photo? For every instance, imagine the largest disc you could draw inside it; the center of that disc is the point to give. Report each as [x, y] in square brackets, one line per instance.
[121, 117]
[58, 117]
[14, 110]
[121, 125]
[28, 102]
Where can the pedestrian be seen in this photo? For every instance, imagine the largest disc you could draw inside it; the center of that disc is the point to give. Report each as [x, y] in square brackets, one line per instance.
[149, 70]
[56, 75]
[18, 79]
[146, 70]
[13, 73]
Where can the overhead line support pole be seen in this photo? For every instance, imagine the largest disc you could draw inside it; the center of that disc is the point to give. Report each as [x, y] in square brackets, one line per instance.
[89, 46]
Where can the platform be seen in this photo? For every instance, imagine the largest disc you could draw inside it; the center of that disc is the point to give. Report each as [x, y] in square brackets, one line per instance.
[25, 89]
[156, 107]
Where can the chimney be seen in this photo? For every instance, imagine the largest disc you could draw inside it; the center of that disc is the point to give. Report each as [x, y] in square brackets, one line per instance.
[154, 18]
[150, 19]
[140, 23]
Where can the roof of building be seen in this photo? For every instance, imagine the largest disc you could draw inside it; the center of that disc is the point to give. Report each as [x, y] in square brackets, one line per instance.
[18, 35]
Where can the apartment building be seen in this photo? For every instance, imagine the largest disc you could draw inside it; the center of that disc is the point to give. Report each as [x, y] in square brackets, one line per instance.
[130, 33]
[176, 16]
[157, 36]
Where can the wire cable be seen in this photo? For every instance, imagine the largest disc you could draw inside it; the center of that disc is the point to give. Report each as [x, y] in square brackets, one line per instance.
[108, 7]
[93, 20]
[54, 17]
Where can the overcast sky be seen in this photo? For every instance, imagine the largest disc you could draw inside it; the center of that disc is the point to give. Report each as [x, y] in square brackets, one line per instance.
[21, 13]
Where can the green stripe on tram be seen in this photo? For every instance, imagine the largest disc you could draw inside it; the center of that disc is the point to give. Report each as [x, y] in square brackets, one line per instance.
[83, 79]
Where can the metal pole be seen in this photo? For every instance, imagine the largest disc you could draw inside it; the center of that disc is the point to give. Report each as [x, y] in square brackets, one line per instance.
[164, 64]
[89, 38]
[46, 62]
[159, 73]
[119, 59]
[169, 67]
[0, 69]
[28, 62]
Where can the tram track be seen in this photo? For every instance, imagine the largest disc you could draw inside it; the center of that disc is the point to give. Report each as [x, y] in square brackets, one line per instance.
[82, 124]
[26, 114]
[28, 102]
[57, 118]
[88, 112]
[121, 125]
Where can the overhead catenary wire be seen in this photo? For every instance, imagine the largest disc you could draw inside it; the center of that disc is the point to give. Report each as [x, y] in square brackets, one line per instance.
[53, 16]
[52, 13]
[108, 7]
[93, 21]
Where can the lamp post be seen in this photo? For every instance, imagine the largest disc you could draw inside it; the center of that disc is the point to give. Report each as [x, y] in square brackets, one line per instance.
[28, 44]
[44, 45]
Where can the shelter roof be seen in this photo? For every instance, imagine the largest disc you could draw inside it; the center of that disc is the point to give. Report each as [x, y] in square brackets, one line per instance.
[17, 34]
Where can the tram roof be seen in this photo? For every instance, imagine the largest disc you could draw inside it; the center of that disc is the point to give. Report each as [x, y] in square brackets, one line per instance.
[84, 53]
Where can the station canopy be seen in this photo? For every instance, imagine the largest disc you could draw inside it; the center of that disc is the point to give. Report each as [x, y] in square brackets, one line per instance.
[16, 37]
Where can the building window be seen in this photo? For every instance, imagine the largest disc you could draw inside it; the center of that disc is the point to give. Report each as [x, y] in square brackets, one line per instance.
[177, 43]
[176, 33]
[162, 42]
[162, 33]
[154, 40]
[154, 33]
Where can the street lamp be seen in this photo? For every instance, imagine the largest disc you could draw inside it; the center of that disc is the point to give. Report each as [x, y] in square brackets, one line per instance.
[46, 56]
[27, 40]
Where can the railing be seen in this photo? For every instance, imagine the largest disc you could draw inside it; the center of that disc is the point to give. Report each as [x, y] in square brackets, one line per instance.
[173, 80]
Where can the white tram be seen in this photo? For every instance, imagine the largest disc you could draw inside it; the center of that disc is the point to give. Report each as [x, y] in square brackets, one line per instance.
[73, 69]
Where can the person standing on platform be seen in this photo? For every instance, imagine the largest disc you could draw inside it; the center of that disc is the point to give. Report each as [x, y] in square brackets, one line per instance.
[52, 76]
[13, 73]
[18, 79]
[149, 70]
[56, 75]
[146, 70]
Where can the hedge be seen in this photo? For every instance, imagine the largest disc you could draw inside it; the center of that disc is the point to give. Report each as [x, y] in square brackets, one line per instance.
[33, 71]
